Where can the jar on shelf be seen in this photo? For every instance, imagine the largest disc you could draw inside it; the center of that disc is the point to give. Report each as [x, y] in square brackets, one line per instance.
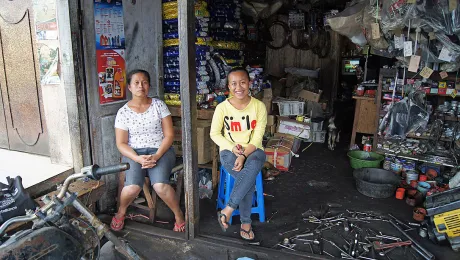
[387, 163]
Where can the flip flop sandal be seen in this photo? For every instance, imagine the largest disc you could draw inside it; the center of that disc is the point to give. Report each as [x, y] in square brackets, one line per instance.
[221, 224]
[248, 232]
[179, 228]
[117, 224]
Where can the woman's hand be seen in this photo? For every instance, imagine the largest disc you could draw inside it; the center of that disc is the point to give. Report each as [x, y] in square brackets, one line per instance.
[238, 150]
[147, 161]
[239, 163]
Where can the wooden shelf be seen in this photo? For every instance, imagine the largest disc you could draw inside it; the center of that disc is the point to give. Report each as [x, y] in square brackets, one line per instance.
[364, 98]
[200, 113]
[420, 158]
[445, 139]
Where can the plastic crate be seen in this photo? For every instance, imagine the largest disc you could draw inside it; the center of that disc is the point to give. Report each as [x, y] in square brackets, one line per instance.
[318, 136]
[291, 108]
[317, 126]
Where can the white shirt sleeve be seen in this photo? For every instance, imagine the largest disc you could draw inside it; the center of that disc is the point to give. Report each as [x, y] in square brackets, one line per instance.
[163, 109]
[120, 120]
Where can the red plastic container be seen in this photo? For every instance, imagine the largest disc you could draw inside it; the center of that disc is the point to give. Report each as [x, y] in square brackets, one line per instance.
[400, 193]
[422, 177]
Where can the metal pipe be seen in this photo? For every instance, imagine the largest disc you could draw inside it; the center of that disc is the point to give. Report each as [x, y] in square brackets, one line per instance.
[15, 220]
[427, 254]
[67, 182]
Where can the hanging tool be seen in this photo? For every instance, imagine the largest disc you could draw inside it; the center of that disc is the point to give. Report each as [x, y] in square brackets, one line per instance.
[283, 233]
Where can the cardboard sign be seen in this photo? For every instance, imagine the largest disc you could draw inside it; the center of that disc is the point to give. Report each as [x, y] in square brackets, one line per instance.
[375, 30]
[426, 72]
[414, 63]
[452, 5]
[399, 41]
[445, 55]
[407, 48]
[443, 74]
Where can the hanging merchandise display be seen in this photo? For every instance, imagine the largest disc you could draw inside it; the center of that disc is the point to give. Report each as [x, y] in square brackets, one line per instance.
[171, 51]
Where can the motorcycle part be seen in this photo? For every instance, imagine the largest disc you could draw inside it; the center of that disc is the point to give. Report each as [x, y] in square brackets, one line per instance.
[425, 253]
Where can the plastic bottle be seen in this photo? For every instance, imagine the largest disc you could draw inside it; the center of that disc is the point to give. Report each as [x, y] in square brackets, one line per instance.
[368, 145]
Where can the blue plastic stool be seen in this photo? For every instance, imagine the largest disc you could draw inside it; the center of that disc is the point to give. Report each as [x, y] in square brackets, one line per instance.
[225, 189]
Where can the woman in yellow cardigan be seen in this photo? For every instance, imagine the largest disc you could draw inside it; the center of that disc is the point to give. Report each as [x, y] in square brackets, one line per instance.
[238, 126]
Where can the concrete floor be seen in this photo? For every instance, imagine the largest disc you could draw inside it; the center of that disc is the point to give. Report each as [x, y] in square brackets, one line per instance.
[317, 177]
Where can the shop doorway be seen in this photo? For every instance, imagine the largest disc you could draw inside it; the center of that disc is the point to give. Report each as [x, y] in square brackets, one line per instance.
[22, 121]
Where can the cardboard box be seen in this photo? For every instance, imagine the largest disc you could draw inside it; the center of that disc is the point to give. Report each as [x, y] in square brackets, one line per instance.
[293, 127]
[306, 95]
[267, 100]
[203, 140]
[280, 149]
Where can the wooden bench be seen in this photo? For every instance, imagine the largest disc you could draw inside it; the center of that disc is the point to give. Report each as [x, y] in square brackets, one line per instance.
[149, 193]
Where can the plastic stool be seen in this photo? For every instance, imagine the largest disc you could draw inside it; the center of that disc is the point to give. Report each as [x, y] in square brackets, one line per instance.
[225, 189]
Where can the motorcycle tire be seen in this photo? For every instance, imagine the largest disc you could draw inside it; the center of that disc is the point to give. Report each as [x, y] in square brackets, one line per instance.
[285, 38]
[300, 42]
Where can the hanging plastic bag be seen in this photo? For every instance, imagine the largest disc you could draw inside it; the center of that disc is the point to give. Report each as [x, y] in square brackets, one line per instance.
[348, 23]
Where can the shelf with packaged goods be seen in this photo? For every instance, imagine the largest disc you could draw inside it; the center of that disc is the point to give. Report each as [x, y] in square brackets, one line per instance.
[445, 139]
[438, 160]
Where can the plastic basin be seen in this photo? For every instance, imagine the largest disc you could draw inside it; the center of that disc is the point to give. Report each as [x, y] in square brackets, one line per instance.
[363, 159]
[376, 183]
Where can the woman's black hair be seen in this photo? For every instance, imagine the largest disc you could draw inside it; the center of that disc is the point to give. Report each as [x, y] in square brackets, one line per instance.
[131, 73]
[235, 69]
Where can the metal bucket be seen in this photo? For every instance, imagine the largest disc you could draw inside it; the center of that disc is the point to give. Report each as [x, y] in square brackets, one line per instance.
[376, 183]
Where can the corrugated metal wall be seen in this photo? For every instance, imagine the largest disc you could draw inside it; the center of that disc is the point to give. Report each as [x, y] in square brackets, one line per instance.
[277, 60]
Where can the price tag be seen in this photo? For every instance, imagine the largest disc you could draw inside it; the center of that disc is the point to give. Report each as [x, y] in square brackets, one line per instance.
[426, 72]
[399, 42]
[407, 48]
[414, 63]
[454, 93]
[452, 5]
[375, 30]
[445, 55]
[443, 74]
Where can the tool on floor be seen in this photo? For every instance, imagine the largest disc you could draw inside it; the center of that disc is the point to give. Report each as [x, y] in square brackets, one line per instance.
[326, 253]
[381, 246]
[336, 246]
[401, 223]
[346, 227]
[304, 235]
[254, 243]
[385, 252]
[268, 221]
[315, 241]
[289, 231]
[268, 195]
[414, 224]
[417, 247]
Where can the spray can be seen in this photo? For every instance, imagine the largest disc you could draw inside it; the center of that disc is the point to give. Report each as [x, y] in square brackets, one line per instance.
[368, 145]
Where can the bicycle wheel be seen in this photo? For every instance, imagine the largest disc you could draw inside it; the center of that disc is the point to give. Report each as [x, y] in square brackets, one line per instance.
[284, 39]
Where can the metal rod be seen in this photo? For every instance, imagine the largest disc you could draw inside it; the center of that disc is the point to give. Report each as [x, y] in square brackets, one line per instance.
[15, 220]
[427, 253]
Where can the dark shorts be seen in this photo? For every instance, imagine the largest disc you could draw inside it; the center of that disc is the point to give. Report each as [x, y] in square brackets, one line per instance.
[160, 173]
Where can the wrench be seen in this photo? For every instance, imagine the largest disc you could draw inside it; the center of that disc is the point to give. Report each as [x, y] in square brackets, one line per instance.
[295, 229]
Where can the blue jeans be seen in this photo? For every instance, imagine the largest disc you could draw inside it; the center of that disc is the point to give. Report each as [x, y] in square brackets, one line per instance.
[245, 181]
